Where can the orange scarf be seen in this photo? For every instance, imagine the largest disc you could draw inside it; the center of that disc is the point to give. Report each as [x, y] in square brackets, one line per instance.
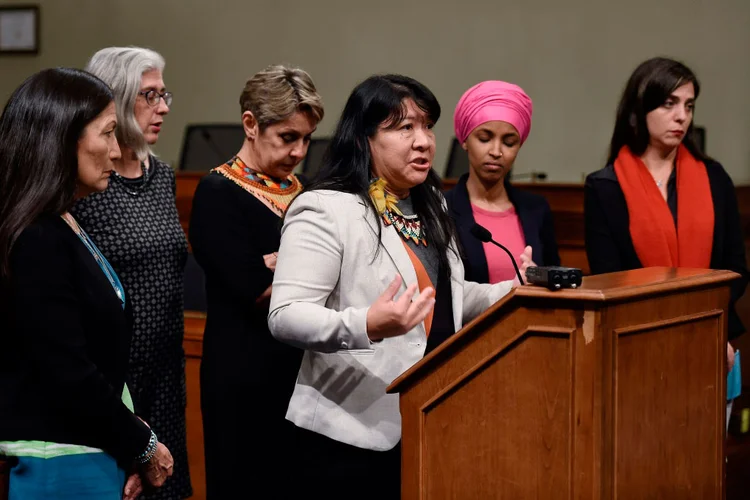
[655, 238]
[423, 281]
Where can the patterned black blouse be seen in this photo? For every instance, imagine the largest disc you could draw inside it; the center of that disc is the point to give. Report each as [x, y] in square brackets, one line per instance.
[135, 224]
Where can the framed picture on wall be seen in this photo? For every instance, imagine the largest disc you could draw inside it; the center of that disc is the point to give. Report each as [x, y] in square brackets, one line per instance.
[19, 29]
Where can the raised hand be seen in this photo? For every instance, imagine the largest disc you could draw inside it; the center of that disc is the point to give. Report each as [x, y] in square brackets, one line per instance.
[391, 318]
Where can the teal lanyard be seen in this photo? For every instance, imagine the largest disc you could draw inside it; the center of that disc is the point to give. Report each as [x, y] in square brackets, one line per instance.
[104, 265]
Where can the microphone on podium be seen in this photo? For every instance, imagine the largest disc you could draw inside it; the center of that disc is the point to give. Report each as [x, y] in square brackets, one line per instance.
[483, 234]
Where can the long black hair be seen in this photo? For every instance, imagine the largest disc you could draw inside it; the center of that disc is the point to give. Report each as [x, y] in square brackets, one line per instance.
[652, 82]
[39, 132]
[347, 165]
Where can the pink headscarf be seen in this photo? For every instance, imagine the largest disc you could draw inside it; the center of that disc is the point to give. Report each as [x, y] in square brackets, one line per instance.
[489, 101]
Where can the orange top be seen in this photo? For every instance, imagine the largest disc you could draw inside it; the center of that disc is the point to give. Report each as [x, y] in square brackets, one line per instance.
[423, 281]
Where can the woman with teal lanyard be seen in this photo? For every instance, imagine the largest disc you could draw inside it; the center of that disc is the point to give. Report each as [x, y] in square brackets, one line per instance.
[66, 416]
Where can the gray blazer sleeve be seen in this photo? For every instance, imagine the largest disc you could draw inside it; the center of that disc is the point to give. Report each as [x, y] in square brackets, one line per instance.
[307, 273]
[478, 297]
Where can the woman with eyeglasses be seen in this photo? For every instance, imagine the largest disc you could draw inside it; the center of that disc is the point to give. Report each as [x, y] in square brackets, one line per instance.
[135, 224]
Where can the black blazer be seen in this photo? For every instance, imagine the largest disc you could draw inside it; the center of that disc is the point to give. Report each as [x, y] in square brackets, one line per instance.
[64, 348]
[536, 221]
[609, 246]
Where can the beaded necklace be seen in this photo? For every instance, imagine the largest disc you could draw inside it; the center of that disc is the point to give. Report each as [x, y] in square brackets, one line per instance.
[408, 226]
[134, 186]
[276, 194]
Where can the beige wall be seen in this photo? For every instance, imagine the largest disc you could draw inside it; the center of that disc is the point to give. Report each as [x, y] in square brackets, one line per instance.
[572, 57]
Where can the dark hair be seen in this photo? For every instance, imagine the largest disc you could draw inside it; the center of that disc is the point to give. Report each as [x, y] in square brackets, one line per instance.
[347, 165]
[39, 132]
[649, 86]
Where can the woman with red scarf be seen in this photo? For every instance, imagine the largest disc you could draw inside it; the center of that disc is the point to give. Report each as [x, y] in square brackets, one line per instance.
[660, 201]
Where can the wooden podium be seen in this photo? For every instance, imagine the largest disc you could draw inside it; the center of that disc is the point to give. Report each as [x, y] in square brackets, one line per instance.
[614, 390]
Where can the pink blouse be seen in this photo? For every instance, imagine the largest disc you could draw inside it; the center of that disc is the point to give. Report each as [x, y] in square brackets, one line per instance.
[506, 229]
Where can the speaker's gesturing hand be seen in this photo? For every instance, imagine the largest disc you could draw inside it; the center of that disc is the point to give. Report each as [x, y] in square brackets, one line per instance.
[390, 318]
[526, 263]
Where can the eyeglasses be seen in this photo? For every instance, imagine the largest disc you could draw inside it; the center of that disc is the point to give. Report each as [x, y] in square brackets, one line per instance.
[152, 97]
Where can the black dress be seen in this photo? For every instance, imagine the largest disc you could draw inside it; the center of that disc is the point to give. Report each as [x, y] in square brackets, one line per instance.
[135, 224]
[247, 376]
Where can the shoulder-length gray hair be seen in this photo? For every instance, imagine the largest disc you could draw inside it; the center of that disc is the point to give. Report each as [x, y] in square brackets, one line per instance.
[122, 69]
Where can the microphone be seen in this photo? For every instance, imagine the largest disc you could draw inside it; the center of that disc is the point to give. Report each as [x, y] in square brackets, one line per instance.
[212, 144]
[534, 176]
[483, 234]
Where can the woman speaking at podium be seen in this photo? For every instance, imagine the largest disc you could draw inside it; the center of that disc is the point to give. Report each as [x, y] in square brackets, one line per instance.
[660, 201]
[368, 275]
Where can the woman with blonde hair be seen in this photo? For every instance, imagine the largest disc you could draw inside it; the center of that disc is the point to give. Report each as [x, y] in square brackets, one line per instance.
[247, 377]
[135, 224]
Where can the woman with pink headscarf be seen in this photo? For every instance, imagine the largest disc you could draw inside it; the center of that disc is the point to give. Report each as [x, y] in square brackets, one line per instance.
[492, 121]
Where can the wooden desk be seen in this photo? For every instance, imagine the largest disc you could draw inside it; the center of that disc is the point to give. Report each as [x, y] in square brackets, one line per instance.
[195, 324]
[186, 184]
[566, 202]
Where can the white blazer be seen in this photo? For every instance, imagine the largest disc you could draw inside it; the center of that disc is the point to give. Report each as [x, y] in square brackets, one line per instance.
[330, 269]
